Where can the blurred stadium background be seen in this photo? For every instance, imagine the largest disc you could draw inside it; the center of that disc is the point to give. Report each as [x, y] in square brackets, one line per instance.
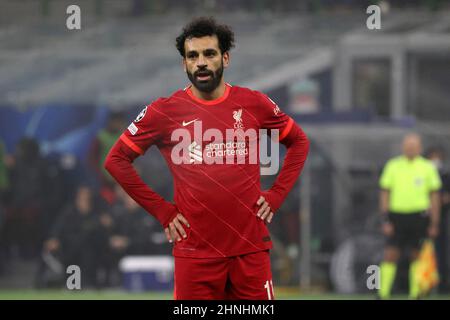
[355, 92]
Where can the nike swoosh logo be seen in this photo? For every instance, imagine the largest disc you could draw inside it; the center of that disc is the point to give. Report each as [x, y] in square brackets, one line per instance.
[189, 122]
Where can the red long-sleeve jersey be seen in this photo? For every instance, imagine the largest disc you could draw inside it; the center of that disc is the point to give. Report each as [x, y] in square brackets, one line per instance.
[209, 147]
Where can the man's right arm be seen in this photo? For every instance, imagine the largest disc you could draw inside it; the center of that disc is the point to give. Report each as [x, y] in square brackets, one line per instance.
[144, 131]
[385, 186]
[387, 227]
[119, 164]
[384, 202]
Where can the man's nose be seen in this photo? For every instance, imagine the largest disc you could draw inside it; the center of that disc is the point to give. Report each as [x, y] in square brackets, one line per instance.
[201, 62]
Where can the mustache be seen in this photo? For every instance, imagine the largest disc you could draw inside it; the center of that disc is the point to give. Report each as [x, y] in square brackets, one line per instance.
[203, 72]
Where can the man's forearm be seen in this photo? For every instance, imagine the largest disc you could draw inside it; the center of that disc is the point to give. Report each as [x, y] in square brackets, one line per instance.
[297, 145]
[119, 164]
[384, 205]
[435, 208]
[384, 202]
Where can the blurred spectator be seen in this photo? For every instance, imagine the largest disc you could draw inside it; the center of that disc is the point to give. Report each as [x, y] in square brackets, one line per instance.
[60, 187]
[136, 231]
[106, 262]
[409, 190]
[26, 199]
[128, 230]
[4, 181]
[101, 145]
[4, 184]
[73, 239]
[437, 156]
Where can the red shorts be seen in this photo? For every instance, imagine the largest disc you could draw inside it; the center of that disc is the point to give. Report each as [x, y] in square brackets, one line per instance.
[246, 277]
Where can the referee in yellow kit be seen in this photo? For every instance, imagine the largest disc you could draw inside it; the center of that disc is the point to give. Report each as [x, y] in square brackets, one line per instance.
[409, 202]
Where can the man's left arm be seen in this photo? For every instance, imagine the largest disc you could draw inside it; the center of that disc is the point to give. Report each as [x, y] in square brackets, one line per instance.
[435, 211]
[434, 184]
[297, 145]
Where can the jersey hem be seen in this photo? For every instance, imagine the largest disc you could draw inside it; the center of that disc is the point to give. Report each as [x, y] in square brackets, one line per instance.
[180, 254]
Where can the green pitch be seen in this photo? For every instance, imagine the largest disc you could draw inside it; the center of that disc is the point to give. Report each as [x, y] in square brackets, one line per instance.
[123, 295]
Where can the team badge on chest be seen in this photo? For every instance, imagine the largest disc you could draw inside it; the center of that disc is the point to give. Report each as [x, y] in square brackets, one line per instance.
[237, 116]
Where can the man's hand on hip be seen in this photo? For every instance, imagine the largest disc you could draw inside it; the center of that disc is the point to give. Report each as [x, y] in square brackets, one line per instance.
[265, 212]
[175, 231]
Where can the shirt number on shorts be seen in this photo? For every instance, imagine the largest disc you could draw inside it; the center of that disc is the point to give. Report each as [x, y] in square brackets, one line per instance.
[269, 288]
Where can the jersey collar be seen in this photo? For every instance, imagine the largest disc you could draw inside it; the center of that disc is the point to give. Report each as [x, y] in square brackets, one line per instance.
[209, 102]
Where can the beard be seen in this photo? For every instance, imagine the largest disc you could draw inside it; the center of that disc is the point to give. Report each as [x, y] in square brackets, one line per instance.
[208, 85]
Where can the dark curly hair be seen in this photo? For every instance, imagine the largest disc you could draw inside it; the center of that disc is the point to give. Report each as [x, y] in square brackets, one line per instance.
[203, 26]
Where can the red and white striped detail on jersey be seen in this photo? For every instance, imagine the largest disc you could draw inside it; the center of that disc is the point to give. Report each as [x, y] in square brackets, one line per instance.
[131, 144]
[269, 287]
[286, 129]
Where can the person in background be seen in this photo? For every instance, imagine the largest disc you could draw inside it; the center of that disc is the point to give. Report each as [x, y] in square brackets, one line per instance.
[101, 145]
[127, 231]
[4, 185]
[28, 197]
[4, 181]
[73, 239]
[135, 234]
[409, 205]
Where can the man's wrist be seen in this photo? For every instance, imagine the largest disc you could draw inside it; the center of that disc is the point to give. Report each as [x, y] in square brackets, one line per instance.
[272, 199]
[171, 213]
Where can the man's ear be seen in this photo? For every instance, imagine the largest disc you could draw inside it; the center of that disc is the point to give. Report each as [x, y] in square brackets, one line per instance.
[226, 59]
